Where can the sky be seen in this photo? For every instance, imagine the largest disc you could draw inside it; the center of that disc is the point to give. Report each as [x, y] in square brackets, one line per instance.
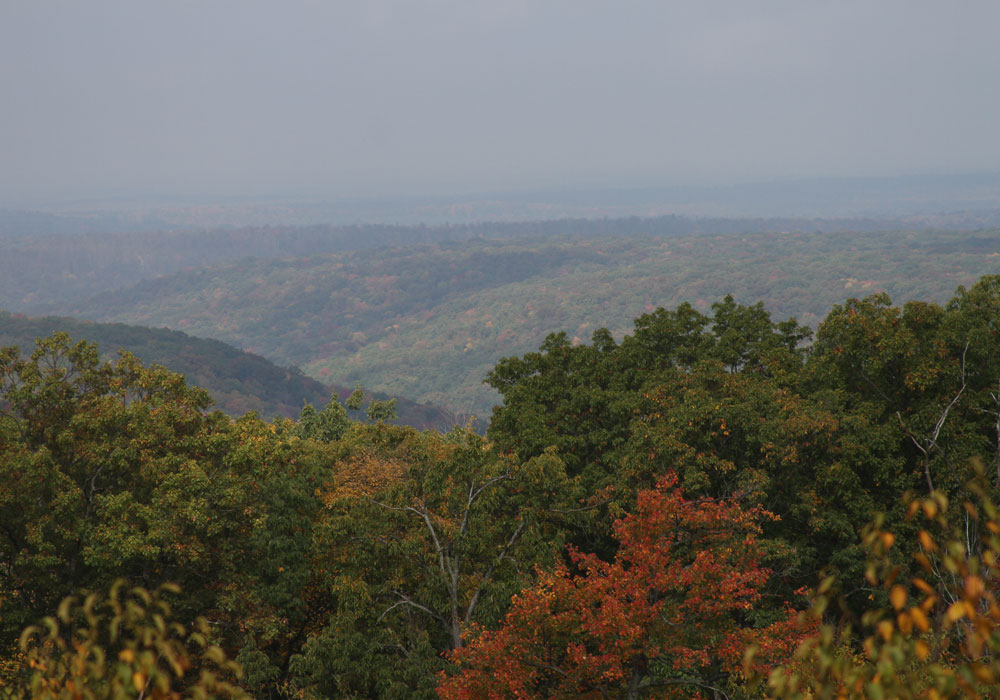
[238, 98]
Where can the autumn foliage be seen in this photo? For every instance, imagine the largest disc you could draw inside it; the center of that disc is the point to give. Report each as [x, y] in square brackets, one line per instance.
[331, 558]
[119, 646]
[937, 633]
[665, 618]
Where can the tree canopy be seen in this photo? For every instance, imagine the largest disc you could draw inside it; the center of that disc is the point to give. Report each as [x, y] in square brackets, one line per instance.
[644, 518]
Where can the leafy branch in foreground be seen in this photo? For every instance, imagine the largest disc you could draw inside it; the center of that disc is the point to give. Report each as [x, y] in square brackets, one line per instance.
[122, 645]
[938, 633]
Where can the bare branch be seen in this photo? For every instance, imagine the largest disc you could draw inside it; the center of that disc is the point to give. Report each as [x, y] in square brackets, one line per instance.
[944, 416]
[567, 511]
[931, 441]
[406, 600]
[489, 572]
[425, 516]
[486, 484]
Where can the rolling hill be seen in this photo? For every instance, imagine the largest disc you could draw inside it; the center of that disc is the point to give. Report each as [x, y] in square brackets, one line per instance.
[238, 381]
[428, 321]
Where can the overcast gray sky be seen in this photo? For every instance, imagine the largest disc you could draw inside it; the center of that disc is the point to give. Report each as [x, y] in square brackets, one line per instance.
[385, 97]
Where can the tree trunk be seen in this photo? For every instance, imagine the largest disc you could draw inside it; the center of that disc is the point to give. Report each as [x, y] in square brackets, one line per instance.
[635, 682]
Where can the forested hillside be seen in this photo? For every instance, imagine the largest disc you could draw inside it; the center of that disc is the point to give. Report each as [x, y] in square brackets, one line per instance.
[39, 269]
[237, 381]
[714, 505]
[427, 322]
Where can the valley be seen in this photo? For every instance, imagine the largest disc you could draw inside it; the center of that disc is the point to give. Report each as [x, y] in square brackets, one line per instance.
[427, 321]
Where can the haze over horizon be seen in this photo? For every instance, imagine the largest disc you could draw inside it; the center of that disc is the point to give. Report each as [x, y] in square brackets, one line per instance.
[413, 99]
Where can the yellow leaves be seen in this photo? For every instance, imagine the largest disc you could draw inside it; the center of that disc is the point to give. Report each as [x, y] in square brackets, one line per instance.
[956, 611]
[984, 674]
[905, 623]
[886, 629]
[897, 596]
[919, 618]
[974, 587]
[938, 634]
[907, 620]
[139, 680]
[153, 660]
[362, 475]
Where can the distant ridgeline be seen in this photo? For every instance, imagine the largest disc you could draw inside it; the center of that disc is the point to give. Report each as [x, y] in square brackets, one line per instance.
[429, 322]
[426, 312]
[41, 264]
[238, 381]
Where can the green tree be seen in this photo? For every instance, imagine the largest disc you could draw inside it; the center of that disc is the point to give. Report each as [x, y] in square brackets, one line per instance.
[326, 425]
[713, 399]
[113, 469]
[443, 539]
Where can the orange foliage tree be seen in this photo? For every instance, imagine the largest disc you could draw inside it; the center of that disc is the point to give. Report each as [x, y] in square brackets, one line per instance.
[665, 618]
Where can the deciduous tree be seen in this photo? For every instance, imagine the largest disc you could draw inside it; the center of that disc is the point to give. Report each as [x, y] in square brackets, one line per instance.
[665, 618]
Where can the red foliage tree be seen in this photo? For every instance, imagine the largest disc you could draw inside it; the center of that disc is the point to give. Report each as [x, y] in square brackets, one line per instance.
[666, 618]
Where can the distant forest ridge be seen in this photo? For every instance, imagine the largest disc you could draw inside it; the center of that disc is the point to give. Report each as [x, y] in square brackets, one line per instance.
[429, 321]
[38, 272]
[827, 197]
[238, 381]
